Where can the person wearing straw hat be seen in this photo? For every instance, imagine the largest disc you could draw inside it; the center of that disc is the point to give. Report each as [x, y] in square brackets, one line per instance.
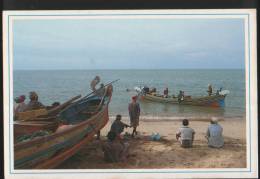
[214, 134]
[134, 113]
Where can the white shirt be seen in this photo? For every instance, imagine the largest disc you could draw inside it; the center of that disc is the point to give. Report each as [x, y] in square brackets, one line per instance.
[186, 133]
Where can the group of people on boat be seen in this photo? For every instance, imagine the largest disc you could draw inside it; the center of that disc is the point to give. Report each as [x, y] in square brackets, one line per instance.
[152, 91]
[34, 103]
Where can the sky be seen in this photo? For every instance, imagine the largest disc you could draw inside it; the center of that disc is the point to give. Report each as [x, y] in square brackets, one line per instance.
[128, 44]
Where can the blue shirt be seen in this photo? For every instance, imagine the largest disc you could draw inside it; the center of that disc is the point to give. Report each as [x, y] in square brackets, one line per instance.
[214, 135]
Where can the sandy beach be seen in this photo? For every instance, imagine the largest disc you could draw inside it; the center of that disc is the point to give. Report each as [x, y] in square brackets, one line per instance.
[166, 153]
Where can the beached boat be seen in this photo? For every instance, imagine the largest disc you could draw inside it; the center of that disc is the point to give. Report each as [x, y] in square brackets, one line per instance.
[28, 122]
[81, 121]
[216, 100]
[39, 114]
[29, 127]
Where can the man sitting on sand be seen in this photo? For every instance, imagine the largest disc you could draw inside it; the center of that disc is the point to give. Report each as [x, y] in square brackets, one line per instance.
[214, 134]
[118, 126]
[114, 150]
[185, 134]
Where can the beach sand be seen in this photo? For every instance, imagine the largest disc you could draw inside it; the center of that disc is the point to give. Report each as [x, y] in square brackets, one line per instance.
[167, 153]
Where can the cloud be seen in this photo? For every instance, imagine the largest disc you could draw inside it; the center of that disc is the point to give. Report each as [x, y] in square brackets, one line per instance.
[129, 43]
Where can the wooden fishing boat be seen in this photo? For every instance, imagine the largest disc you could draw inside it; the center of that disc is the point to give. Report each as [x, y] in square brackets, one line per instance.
[211, 101]
[38, 114]
[81, 121]
[29, 127]
[28, 122]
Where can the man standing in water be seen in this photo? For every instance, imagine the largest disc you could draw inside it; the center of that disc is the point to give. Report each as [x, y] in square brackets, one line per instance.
[134, 113]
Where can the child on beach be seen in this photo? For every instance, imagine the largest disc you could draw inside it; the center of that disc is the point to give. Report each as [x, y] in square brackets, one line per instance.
[214, 134]
[185, 134]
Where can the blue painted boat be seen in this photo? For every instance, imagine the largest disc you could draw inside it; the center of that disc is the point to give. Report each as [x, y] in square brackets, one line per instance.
[79, 123]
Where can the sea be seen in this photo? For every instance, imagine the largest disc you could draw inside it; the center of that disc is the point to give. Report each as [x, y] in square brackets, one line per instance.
[61, 85]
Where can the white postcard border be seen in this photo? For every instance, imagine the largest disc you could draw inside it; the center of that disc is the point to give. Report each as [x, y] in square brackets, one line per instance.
[249, 15]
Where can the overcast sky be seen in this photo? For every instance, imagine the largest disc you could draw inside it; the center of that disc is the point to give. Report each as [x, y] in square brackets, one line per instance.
[129, 44]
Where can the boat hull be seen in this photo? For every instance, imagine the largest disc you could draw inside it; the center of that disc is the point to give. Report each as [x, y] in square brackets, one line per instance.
[210, 101]
[51, 150]
[29, 127]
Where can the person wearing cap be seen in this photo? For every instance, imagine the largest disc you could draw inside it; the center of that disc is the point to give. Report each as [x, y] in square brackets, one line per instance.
[34, 103]
[185, 134]
[94, 83]
[118, 126]
[214, 134]
[134, 113]
[115, 150]
[19, 105]
[210, 90]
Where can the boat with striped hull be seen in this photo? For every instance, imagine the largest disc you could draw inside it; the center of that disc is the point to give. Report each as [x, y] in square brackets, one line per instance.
[210, 101]
[81, 121]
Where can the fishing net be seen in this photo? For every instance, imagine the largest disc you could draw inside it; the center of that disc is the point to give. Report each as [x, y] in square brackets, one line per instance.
[28, 137]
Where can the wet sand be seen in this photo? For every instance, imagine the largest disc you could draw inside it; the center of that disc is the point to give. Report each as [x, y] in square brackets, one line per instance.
[167, 153]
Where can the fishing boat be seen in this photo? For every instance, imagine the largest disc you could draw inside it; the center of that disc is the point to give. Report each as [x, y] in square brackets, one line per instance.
[46, 113]
[215, 100]
[29, 127]
[28, 122]
[80, 121]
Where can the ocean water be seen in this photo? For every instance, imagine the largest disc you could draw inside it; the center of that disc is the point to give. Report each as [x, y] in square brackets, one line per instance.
[61, 85]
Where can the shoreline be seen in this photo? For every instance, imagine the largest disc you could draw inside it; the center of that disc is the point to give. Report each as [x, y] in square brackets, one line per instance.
[179, 118]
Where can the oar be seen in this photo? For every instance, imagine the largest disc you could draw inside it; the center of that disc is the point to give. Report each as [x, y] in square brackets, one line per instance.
[104, 86]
